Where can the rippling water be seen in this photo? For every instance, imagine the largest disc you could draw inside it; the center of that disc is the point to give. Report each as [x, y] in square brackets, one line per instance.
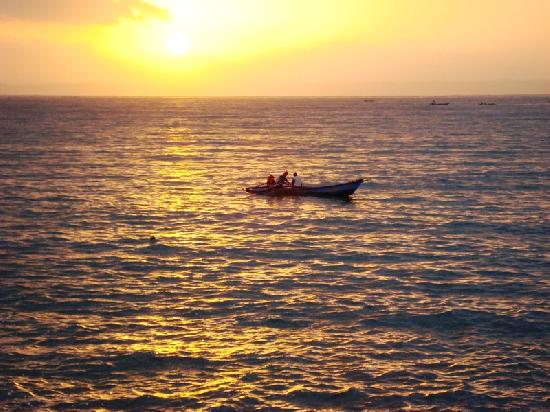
[429, 290]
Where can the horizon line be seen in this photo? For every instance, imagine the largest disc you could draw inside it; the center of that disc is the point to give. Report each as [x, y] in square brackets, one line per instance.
[358, 96]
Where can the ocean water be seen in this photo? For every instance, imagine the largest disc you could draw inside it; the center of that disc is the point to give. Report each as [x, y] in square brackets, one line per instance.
[428, 291]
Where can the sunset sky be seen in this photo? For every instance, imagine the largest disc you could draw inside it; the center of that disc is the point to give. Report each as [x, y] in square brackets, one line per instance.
[274, 47]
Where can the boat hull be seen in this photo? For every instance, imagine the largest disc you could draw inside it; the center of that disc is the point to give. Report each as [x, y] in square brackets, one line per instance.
[338, 190]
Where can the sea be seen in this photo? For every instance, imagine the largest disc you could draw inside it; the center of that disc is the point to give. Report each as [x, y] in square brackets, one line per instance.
[137, 274]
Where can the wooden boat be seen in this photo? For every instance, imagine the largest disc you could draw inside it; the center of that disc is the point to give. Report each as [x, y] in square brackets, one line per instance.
[337, 190]
[434, 103]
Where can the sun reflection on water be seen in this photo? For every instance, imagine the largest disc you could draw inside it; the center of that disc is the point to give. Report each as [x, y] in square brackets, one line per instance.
[419, 293]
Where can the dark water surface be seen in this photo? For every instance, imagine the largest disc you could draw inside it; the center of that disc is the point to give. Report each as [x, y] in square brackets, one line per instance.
[430, 290]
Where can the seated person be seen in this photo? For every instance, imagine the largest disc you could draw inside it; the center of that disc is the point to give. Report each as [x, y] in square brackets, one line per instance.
[270, 180]
[296, 181]
[282, 180]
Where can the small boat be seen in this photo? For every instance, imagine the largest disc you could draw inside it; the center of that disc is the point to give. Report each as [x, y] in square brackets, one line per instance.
[487, 104]
[434, 103]
[337, 190]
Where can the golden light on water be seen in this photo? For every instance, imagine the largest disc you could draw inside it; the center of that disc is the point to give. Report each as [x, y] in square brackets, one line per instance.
[248, 301]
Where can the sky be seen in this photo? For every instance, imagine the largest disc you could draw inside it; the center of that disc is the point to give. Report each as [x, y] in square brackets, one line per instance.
[274, 47]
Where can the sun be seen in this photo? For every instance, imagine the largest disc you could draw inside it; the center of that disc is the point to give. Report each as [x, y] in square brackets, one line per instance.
[176, 44]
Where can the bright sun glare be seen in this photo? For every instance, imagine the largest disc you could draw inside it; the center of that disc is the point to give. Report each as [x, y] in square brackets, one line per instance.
[176, 44]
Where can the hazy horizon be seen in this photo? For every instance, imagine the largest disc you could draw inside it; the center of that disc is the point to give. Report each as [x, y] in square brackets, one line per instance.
[350, 96]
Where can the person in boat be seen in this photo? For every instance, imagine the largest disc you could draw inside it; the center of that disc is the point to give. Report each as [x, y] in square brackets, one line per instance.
[270, 180]
[283, 180]
[296, 181]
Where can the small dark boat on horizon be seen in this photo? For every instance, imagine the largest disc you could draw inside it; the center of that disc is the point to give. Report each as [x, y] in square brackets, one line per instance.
[434, 103]
[342, 190]
[487, 104]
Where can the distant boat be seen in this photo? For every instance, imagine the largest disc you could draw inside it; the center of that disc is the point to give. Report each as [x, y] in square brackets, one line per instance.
[336, 190]
[368, 100]
[434, 103]
[486, 104]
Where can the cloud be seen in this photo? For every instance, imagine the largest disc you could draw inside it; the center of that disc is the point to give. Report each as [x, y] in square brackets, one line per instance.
[79, 11]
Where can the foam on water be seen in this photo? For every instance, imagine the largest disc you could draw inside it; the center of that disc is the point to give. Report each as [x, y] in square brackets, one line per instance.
[428, 291]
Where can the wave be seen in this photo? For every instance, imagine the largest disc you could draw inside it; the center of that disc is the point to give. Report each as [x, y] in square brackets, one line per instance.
[459, 320]
[150, 361]
[347, 398]
[142, 402]
[439, 399]
[275, 322]
[161, 250]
